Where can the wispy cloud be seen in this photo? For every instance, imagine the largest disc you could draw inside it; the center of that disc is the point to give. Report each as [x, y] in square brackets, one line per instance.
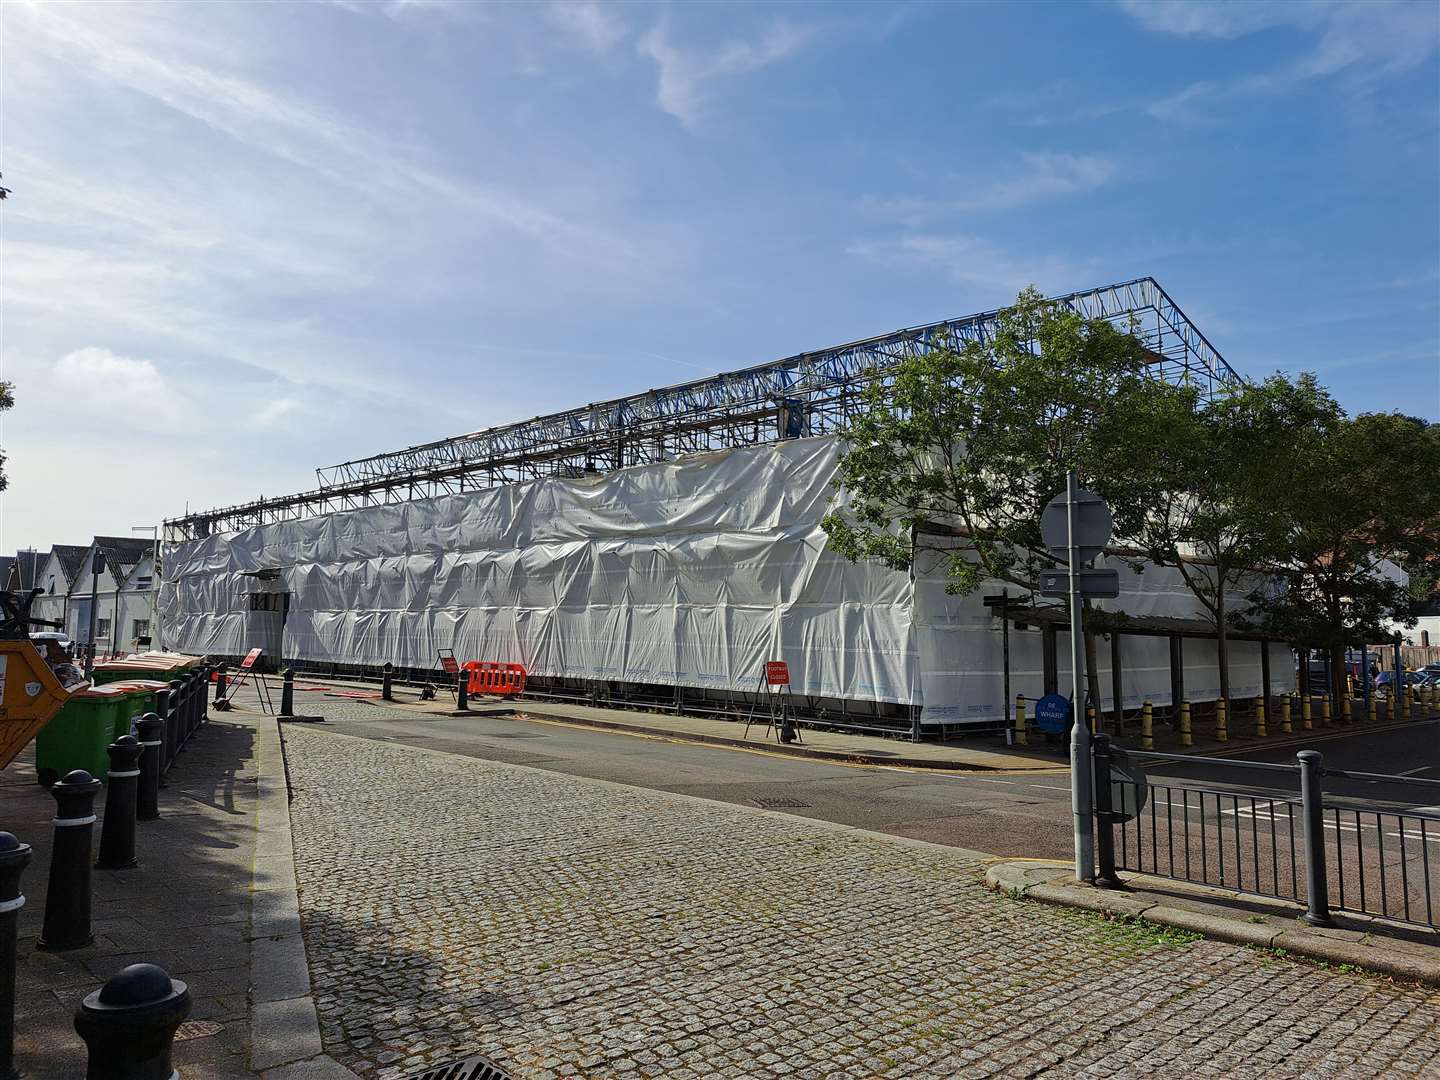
[587, 24]
[1040, 176]
[687, 76]
[970, 260]
[296, 131]
[1359, 42]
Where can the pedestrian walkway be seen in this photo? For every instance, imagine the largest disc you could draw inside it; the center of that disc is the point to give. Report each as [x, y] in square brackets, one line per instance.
[573, 928]
[186, 907]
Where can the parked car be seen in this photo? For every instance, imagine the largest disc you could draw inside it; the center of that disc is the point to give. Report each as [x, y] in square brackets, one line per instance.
[41, 636]
[1385, 681]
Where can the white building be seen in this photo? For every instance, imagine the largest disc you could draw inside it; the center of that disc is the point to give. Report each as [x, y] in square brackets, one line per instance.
[124, 595]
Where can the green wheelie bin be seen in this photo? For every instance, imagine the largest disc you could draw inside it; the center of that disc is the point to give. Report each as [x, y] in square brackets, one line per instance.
[137, 701]
[76, 737]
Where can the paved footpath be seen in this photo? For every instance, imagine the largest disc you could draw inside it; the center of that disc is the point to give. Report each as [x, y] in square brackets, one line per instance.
[573, 928]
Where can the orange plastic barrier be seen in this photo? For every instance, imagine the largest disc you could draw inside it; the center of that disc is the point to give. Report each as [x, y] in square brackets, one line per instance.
[501, 680]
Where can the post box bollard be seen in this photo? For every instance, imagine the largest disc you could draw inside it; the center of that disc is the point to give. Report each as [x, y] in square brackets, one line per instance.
[1222, 723]
[1260, 729]
[1022, 737]
[287, 693]
[462, 692]
[149, 728]
[129, 1024]
[387, 679]
[1147, 726]
[14, 857]
[117, 831]
[220, 683]
[67, 897]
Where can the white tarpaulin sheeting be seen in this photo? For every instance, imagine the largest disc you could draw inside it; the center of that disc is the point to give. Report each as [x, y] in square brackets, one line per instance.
[693, 572]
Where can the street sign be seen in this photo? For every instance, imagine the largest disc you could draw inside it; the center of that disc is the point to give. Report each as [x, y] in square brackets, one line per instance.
[250, 658]
[1052, 713]
[777, 673]
[1129, 786]
[1097, 583]
[1093, 525]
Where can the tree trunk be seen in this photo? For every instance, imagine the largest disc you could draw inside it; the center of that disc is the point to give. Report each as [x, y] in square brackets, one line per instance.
[1222, 648]
[1337, 677]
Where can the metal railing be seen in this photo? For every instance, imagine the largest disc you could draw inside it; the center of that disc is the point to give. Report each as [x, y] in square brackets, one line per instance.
[1323, 850]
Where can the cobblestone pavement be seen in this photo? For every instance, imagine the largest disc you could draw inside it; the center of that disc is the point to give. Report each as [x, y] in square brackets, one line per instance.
[571, 928]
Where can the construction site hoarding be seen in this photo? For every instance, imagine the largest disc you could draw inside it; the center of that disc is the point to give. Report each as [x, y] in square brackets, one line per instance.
[692, 572]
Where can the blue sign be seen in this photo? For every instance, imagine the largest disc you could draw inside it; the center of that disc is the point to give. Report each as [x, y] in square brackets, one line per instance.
[1052, 714]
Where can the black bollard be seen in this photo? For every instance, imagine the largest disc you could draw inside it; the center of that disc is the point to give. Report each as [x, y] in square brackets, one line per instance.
[287, 693]
[67, 897]
[204, 695]
[129, 1024]
[152, 751]
[173, 722]
[462, 692]
[387, 693]
[117, 831]
[14, 857]
[162, 710]
[220, 683]
[193, 695]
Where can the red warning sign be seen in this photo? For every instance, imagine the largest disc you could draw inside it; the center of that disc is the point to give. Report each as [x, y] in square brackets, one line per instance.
[777, 673]
[250, 658]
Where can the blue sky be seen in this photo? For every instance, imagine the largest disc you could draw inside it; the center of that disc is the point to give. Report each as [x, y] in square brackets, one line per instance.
[247, 240]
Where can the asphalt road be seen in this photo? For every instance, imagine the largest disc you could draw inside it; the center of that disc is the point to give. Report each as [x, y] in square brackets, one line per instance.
[1005, 814]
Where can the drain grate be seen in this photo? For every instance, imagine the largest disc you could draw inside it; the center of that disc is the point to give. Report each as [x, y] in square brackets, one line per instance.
[472, 1068]
[779, 804]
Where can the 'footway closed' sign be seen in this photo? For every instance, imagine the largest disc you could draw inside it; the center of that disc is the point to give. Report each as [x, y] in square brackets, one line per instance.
[777, 673]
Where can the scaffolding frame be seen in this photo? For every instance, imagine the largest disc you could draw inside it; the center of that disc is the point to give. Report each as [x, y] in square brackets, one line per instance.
[812, 393]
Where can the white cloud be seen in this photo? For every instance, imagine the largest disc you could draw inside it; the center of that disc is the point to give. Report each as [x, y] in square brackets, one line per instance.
[122, 389]
[587, 23]
[968, 260]
[1041, 176]
[686, 75]
[275, 410]
[1362, 42]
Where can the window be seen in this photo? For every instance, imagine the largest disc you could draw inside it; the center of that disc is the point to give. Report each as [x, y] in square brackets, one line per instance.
[52, 584]
[141, 628]
[143, 583]
[102, 628]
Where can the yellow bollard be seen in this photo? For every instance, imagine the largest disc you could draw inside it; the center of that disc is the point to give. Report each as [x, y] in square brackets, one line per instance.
[1222, 724]
[1285, 728]
[1185, 737]
[1385, 710]
[1090, 718]
[1402, 711]
[1147, 727]
[1021, 738]
[1325, 710]
[1260, 728]
[1345, 709]
[1370, 709]
[1305, 724]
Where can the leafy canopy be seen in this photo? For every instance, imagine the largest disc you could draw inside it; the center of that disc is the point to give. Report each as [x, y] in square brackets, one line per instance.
[957, 451]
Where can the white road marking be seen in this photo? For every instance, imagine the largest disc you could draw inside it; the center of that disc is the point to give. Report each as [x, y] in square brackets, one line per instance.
[1412, 772]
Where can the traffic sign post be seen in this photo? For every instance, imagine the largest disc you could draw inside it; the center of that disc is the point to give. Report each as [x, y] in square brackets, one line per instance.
[1076, 526]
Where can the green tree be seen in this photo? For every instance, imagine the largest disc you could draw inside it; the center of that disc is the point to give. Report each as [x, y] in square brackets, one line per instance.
[7, 402]
[1360, 495]
[956, 452]
[1211, 466]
